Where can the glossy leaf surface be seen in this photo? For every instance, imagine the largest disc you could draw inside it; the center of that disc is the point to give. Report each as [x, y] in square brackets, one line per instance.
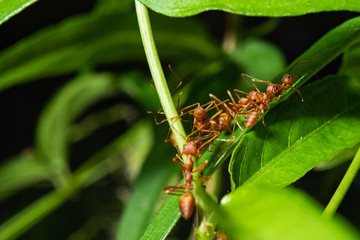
[300, 135]
[9, 8]
[266, 213]
[182, 8]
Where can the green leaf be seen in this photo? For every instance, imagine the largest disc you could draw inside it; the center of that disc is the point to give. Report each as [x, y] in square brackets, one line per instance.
[265, 213]
[101, 164]
[107, 7]
[300, 135]
[54, 123]
[327, 48]
[183, 8]
[260, 58]
[164, 220]
[20, 172]
[146, 191]
[351, 61]
[340, 158]
[10, 8]
[91, 40]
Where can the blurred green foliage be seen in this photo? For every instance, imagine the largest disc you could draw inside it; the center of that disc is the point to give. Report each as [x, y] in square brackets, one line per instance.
[101, 55]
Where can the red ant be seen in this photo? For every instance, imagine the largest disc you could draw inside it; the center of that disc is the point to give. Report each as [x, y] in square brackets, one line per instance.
[256, 102]
[276, 90]
[217, 123]
[187, 200]
[231, 111]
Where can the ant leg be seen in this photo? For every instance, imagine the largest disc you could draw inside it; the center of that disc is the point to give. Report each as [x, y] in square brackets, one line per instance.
[152, 86]
[263, 118]
[156, 122]
[227, 108]
[217, 114]
[180, 163]
[239, 91]
[231, 97]
[261, 81]
[178, 102]
[302, 99]
[201, 167]
[243, 75]
[203, 179]
[221, 103]
[182, 113]
[177, 77]
[305, 61]
[173, 188]
[216, 134]
[194, 132]
[237, 95]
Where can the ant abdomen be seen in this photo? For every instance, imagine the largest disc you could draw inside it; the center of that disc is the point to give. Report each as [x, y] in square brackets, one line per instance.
[251, 118]
[187, 205]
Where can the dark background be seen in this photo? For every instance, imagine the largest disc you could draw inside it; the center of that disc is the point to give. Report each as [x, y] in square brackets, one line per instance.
[21, 106]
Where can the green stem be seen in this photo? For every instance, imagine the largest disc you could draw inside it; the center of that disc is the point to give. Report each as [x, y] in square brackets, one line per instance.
[343, 187]
[158, 74]
[204, 201]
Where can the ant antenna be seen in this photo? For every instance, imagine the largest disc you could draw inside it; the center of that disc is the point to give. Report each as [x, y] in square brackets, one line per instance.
[177, 77]
[305, 61]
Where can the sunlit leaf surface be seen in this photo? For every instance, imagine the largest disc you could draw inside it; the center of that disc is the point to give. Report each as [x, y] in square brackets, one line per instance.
[182, 8]
[266, 213]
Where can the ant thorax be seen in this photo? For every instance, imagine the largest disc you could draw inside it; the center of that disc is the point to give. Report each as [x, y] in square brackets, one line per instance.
[243, 101]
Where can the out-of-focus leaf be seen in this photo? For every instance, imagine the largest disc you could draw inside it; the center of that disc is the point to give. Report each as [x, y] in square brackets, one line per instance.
[102, 118]
[54, 123]
[145, 194]
[266, 213]
[137, 150]
[351, 61]
[92, 40]
[107, 7]
[10, 8]
[183, 8]
[300, 135]
[259, 58]
[20, 172]
[106, 161]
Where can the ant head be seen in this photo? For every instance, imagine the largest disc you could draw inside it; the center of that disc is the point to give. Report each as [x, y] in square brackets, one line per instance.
[288, 79]
[200, 114]
[190, 148]
[272, 89]
[255, 97]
